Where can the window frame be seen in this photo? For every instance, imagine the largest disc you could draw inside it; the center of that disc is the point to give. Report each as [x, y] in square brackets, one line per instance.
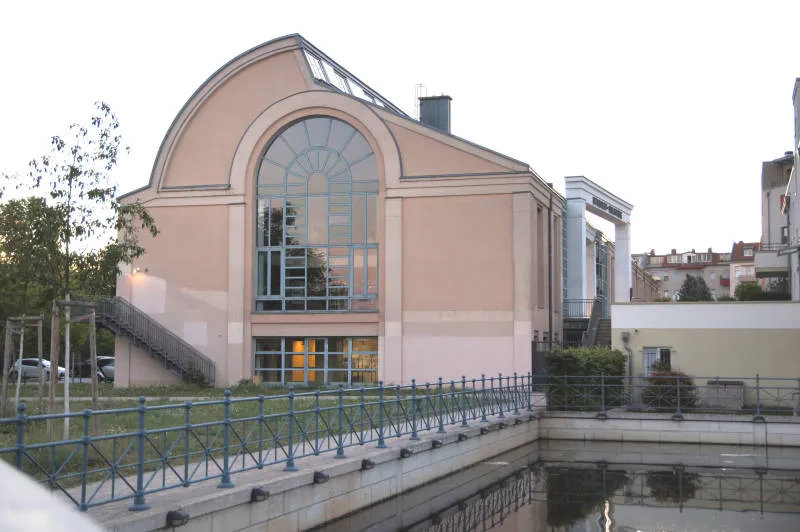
[658, 352]
[325, 351]
[342, 189]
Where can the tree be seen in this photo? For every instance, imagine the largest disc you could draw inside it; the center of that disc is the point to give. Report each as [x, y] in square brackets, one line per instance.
[76, 178]
[29, 254]
[695, 289]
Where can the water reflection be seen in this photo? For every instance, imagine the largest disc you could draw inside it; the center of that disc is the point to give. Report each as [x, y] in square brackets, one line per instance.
[538, 495]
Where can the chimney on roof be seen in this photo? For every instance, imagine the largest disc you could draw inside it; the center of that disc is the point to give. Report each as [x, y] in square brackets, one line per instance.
[652, 252]
[434, 111]
[674, 251]
[693, 250]
[709, 250]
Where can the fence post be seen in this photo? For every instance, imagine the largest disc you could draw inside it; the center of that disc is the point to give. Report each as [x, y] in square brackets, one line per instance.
[225, 481]
[464, 401]
[530, 392]
[261, 432]
[566, 393]
[758, 416]
[414, 435]
[316, 423]
[397, 431]
[441, 408]
[483, 397]
[516, 395]
[290, 465]
[602, 414]
[678, 416]
[473, 413]
[85, 441]
[500, 396]
[361, 410]
[138, 500]
[381, 443]
[20, 435]
[187, 430]
[340, 447]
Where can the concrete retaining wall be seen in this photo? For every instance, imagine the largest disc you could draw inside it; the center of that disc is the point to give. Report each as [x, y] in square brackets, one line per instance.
[660, 428]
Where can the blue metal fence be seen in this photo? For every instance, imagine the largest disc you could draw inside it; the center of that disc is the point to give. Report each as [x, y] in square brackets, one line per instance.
[144, 449]
[147, 448]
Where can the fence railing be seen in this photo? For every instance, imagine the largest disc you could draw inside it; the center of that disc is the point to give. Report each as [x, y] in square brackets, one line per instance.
[144, 449]
[676, 394]
[578, 308]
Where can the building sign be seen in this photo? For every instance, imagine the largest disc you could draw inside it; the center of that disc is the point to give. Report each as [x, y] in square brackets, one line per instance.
[602, 205]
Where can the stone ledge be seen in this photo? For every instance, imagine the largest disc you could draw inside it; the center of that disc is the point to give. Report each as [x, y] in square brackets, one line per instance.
[204, 499]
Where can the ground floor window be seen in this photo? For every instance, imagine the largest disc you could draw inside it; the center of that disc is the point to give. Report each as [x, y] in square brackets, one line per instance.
[316, 361]
[661, 357]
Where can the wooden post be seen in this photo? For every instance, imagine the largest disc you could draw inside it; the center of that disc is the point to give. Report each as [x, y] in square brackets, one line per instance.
[19, 372]
[66, 367]
[6, 363]
[93, 357]
[40, 354]
[55, 336]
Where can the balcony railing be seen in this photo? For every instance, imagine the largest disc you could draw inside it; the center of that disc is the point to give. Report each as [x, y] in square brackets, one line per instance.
[772, 246]
[578, 308]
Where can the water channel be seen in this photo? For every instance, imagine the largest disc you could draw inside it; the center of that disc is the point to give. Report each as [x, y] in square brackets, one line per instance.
[599, 486]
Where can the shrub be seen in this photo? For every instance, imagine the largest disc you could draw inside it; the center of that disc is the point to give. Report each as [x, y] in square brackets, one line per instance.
[747, 291]
[586, 361]
[586, 389]
[726, 298]
[665, 385]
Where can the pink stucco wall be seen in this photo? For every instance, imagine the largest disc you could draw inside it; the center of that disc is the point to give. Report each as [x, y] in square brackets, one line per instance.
[460, 254]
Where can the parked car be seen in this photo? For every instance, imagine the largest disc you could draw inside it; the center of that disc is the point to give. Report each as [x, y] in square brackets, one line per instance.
[30, 369]
[105, 369]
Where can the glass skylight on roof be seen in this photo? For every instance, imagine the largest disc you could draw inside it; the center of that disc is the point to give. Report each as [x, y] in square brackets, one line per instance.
[326, 71]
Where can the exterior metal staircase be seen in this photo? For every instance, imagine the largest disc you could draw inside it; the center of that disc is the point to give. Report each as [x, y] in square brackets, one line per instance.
[123, 319]
[598, 330]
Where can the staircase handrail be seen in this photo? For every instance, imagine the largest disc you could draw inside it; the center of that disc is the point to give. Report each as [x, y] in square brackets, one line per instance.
[176, 349]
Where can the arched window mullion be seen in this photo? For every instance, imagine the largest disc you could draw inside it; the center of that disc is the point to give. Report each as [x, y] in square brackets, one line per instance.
[320, 272]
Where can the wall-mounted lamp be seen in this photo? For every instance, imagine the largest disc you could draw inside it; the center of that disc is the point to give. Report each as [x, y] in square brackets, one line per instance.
[367, 464]
[321, 477]
[405, 452]
[436, 444]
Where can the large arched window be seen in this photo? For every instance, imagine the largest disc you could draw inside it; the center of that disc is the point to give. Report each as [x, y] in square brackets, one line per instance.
[316, 237]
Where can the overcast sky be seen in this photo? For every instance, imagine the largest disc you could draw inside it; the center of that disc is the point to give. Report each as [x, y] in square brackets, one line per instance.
[670, 105]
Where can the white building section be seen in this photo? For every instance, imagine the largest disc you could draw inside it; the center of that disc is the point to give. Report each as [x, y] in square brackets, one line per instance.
[584, 195]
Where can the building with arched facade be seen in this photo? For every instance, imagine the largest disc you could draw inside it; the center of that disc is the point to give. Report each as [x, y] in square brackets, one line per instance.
[312, 232]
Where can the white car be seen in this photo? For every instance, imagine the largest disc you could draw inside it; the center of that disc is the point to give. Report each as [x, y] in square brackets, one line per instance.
[30, 369]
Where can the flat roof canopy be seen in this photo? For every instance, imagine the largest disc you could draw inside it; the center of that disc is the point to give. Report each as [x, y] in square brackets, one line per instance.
[598, 200]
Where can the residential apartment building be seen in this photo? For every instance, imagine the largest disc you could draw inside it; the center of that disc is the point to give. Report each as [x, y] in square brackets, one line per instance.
[769, 262]
[742, 264]
[672, 268]
[791, 202]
